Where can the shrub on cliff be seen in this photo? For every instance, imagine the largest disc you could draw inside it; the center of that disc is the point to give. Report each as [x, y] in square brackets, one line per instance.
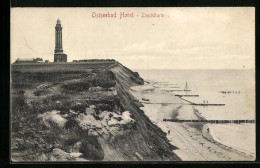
[76, 86]
[54, 98]
[135, 74]
[101, 81]
[137, 80]
[54, 134]
[71, 123]
[81, 108]
[91, 148]
[39, 92]
[19, 107]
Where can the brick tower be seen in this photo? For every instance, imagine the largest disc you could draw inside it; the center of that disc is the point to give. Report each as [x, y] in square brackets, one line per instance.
[59, 56]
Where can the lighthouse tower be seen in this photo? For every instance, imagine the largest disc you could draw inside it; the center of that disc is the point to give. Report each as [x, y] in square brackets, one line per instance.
[59, 56]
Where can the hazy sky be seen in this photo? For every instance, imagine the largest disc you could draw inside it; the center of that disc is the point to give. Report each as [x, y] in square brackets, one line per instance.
[200, 38]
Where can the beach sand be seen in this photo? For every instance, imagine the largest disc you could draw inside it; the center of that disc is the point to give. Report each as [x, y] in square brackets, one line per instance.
[194, 141]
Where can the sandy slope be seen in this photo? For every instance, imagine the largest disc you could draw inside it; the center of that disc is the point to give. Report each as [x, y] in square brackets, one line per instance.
[192, 139]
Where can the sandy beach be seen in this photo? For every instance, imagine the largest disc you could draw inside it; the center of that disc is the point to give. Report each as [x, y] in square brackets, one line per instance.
[194, 140]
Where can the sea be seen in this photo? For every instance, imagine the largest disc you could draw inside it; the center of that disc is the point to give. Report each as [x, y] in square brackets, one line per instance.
[233, 87]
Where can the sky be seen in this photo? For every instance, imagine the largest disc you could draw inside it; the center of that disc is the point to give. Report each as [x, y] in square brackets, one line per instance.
[185, 38]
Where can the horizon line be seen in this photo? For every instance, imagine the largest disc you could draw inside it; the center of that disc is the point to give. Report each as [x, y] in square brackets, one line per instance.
[198, 69]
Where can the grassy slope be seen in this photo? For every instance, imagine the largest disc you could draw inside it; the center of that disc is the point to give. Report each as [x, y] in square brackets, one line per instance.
[37, 89]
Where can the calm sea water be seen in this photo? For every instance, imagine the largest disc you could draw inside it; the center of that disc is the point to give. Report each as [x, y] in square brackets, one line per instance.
[208, 84]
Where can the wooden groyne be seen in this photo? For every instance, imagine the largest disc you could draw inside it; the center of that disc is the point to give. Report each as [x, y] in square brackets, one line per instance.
[209, 104]
[212, 121]
[187, 95]
[186, 100]
[200, 104]
[180, 90]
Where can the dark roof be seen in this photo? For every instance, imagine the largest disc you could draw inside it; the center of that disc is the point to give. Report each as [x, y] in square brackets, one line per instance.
[25, 59]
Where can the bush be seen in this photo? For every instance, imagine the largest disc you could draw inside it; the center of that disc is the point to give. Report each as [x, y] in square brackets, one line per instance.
[137, 80]
[107, 104]
[81, 108]
[54, 134]
[63, 107]
[21, 85]
[71, 141]
[104, 107]
[95, 71]
[39, 92]
[50, 103]
[71, 123]
[76, 86]
[104, 79]
[21, 92]
[135, 74]
[54, 98]
[91, 149]
[18, 102]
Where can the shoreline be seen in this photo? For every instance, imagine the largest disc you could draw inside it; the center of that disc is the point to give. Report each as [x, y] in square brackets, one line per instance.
[210, 138]
[193, 135]
[207, 135]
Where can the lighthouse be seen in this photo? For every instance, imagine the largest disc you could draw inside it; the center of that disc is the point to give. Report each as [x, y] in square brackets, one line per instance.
[59, 56]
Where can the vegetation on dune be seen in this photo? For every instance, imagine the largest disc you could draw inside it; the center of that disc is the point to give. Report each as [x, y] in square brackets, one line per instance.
[40, 92]
[112, 104]
[74, 91]
[76, 86]
[26, 128]
[25, 78]
[31, 136]
[91, 148]
[20, 86]
[71, 123]
[54, 102]
[137, 80]
[102, 79]
[80, 108]
[67, 68]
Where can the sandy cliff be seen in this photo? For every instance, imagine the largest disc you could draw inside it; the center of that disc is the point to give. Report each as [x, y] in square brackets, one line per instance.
[81, 114]
[148, 140]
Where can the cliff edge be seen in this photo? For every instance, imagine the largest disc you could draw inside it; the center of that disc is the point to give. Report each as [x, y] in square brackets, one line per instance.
[81, 112]
[151, 138]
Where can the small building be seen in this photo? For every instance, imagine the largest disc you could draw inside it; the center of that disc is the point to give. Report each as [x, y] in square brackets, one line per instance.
[40, 61]
[29, 60]
[25, 60]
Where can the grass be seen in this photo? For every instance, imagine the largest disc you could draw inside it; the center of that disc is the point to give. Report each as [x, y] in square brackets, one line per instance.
[61, 67]
[79, 108]
[76, 87]
[104, 79]
[68, 89]
[71, 123]
[91, 148]
[40, 92]
[27, 78]
[25, 122]
[24, 119]
[50, 103]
